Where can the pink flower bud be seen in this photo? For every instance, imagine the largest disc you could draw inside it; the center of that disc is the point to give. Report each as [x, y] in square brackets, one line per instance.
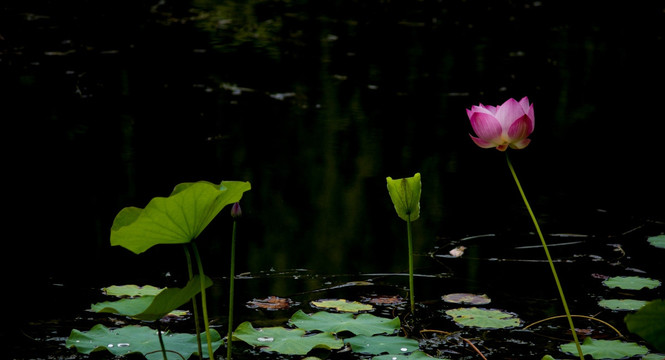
[235, 211]
[508, 124]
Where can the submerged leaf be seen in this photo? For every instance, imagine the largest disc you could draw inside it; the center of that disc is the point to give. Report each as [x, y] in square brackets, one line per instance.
[417, 355]
[363, 324]
[405, 194]
[342, 305]
[483, 318]
[177, 219]
[285, 341]
[649, 323]
[380, 344]
[631, 282]
[138, 339]
[606, 349]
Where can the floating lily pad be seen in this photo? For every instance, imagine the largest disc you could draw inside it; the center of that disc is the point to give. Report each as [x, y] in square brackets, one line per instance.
[131, 290]
[631, 282]
[416, 355]
[606, 349]
[484, 318]
[270, 303]
[465, 298]
[363, 324]
[657, 241]
[138, 339]
[622, 304]
[649, 323]
[376, 345]
[386, 300]
[285, 341]
[342, 305]
[153, 307]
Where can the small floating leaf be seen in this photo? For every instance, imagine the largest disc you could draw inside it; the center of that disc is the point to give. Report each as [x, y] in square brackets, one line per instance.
[483, 318]
[380, 344]
[342, 305]
[657, 241]
[131, 290]
[622, 304]
[649, 323]
[285, 341]
[631, 282]
[465, 298]
[363, 324]
[270, 303]
[606, 349]
[405, 194]
[138, 339]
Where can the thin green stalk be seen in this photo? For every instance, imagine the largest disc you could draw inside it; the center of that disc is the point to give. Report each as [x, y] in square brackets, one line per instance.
[161, 341]
[410, 241]
[232, 276]
[549, 258]
[195, 307]
[206, 323]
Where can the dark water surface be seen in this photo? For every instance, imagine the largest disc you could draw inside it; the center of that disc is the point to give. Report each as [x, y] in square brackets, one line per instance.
[315, 103]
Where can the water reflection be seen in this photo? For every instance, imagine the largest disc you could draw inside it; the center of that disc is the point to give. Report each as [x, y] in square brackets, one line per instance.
[315, 105]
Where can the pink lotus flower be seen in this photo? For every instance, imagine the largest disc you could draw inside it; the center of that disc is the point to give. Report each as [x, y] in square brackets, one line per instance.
[508, 124]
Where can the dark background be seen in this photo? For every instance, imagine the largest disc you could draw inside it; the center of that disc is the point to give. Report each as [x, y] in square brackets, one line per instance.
[107, 105]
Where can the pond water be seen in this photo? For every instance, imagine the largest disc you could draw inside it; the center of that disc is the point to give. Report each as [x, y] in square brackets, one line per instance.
[315, 104]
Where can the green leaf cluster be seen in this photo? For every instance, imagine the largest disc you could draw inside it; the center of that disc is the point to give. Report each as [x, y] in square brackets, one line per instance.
[138, 339]
[373, 335]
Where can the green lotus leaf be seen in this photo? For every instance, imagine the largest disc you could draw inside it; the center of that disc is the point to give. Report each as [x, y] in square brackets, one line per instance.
[484, 318]
[405, 194]
[657, 241]
[622, 304]
[606, 349]
[285, 341]
[138, 339]
[342, 305]
[131, 290]
[363, 324]
[649, 323]
[177, 219]
[631, 282]
[377, 345]
[153, 307]
[465, 298]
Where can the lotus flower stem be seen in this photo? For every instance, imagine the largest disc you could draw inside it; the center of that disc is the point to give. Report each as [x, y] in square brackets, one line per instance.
[161, 341]
[206, 324]
[195, 307]
[549, 258]
[410, 244]
[232, 276]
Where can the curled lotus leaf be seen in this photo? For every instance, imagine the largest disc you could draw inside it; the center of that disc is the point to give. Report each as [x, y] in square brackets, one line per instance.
[177, 219]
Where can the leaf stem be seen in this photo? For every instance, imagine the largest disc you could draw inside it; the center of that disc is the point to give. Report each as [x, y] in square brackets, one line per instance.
[410, 244]
[206, 323]
[195, 307]
[232, 276]
[549, 258]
